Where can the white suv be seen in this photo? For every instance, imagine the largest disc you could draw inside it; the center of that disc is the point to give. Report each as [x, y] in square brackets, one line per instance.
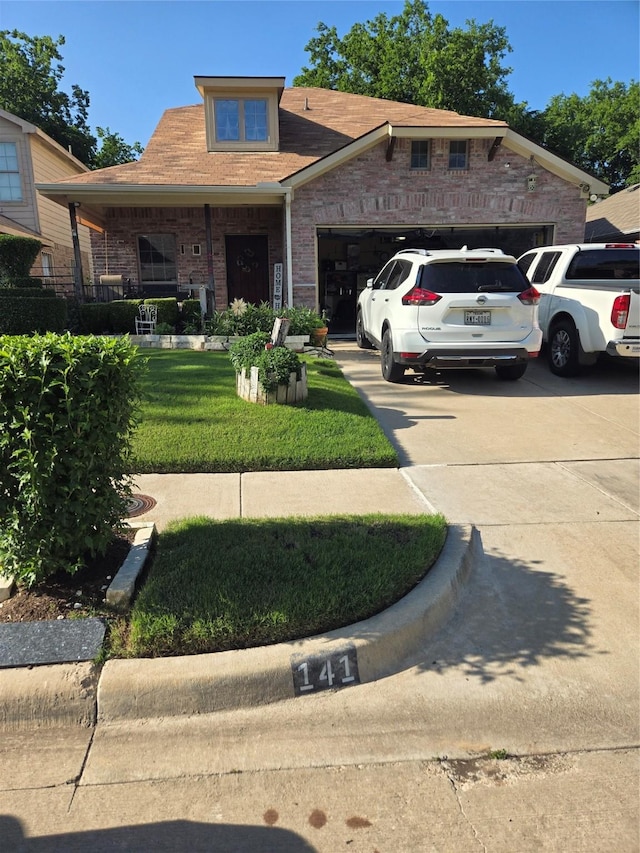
[450, 308]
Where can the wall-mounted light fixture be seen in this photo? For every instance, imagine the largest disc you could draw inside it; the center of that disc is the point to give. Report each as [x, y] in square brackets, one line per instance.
[531, 182]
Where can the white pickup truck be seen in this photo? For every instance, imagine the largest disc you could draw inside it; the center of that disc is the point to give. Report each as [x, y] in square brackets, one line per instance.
[589, 301]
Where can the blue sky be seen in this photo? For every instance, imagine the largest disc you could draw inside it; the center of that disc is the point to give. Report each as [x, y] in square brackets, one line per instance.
[136, 59]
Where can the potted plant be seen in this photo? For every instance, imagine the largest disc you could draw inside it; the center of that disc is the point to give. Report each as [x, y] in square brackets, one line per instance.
[266, 373]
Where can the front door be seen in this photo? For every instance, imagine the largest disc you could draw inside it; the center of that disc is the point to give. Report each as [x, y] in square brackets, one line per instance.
[247, 268]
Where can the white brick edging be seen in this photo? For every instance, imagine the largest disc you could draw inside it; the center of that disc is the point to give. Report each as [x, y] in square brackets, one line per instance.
[249, 388]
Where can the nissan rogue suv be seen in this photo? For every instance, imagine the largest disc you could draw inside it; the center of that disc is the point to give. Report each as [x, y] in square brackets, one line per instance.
[448, 308]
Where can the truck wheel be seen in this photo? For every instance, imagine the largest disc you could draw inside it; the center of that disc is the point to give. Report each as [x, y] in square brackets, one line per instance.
[511, 371]
[361, 339]
[563, 350]
[391, 370]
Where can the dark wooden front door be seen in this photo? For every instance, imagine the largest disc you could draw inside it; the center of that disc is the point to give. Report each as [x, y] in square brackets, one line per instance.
[247, 268]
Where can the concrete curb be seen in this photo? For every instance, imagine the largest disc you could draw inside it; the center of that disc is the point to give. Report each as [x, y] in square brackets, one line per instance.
[78, 694]
[202, 684]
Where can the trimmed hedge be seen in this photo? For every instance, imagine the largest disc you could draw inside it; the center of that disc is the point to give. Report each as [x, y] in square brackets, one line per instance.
[191, 314]
[23, 311]
[17, 256]
[106, 318]
[168, 311]
[67, 413]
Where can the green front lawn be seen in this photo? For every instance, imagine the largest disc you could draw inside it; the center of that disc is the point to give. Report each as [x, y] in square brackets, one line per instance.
[193, 421]
[218, 585]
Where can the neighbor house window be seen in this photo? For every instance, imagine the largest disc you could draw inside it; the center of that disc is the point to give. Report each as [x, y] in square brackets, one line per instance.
[47, 264]
[458, 154]
[420, 154]
[241, 120]
[157, 255]
[10, 184]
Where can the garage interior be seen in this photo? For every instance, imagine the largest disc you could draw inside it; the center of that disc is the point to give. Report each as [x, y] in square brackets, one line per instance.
[347, 257]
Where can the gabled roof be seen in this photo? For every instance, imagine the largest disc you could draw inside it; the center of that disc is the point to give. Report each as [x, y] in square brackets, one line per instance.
[618, 214]
[319, 130]
[313, 124]
[27, 127]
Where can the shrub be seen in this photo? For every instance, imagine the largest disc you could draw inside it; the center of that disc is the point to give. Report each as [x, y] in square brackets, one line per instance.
[17, 256]
[24, 311]
[67, 412]
[167, 309]
[122, 315]
[191, 314]
[274, 364]
[95, 318]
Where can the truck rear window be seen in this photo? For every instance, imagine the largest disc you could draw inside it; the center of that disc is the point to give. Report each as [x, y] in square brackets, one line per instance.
[605, 264]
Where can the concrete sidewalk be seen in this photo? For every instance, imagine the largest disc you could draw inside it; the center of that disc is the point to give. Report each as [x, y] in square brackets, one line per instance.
[83, 694]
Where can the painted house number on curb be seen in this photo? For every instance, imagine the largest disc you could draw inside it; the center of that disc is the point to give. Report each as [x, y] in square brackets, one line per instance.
[325, 672]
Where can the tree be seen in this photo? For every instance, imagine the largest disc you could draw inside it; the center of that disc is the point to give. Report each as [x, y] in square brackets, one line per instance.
[416, 58]
[600, 133]
[30, 75]
[114, 150]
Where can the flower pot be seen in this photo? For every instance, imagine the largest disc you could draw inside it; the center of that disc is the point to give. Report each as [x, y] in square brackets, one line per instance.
[319, 336]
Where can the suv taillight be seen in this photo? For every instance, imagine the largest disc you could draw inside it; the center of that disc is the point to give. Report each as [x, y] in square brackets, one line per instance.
[529, 297]
[418, 296]
[620, 310]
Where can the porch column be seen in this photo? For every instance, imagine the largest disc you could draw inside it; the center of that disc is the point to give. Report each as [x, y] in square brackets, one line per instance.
[209, 239]
[77, 275]
[287, 219]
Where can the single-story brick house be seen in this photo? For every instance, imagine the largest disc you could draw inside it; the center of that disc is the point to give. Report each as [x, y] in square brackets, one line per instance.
[259, 188]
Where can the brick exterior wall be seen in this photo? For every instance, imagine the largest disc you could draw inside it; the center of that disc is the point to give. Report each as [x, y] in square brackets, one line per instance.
[368, 191]
[115, 252]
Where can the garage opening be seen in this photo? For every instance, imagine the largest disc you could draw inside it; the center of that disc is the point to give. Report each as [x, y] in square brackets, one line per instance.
[349, 256]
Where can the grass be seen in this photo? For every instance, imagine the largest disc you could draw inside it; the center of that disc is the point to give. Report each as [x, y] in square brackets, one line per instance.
[218, 585]
[192, 421]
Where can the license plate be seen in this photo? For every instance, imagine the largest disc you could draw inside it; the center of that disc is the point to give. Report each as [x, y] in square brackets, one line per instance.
[477, 318]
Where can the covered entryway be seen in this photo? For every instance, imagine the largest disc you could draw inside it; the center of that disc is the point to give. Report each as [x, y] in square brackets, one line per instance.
[348, 256]
[247, 263]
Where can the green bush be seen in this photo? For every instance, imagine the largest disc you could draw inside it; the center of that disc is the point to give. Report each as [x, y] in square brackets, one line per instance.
[17, 256]
[29, 282]
[244, 318]
[191, 314]
[122, 316]
[95, 318]
[38, 312]
[168, 311]
[275, 364]
[67, 412]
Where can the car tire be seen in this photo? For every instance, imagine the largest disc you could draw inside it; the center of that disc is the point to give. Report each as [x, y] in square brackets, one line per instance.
[563, 351]
[362, 340]
[391, 370]
[511, 372]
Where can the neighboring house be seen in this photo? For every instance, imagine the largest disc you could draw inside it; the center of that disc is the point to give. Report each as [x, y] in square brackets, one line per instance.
[27, 157]
[326, 183]
[616, 218]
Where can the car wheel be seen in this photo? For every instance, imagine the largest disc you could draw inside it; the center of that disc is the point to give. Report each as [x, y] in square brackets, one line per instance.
[361, 339]
[563, 349]
[391, 370]
[511, 371]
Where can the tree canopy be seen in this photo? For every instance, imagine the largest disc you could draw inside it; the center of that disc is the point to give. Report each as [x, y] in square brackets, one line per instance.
[30, 77]
[415, 57]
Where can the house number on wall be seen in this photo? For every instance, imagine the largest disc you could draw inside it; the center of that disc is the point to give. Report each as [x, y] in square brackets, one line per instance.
[325, 672]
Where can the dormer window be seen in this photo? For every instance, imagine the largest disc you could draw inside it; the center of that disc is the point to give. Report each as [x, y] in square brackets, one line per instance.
[241, 120]
[241, 112]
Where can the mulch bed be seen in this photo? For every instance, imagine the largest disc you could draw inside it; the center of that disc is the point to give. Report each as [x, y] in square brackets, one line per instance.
[58, 596]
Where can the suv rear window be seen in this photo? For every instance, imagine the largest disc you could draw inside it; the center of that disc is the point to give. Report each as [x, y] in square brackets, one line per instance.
[605, 264]
[472, 277]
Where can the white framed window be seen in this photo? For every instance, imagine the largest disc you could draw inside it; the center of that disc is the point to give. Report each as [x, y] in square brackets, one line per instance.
[458, 154]
[420, 154]
[47, 264]
[10, 183]
[241, 119]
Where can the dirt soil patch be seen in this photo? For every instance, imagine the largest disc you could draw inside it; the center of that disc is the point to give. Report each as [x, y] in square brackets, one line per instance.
[62, 594]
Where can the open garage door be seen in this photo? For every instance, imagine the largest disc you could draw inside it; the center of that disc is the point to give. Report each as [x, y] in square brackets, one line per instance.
[348, 256]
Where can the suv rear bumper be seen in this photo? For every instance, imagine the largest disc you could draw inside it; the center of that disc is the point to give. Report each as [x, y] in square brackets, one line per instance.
[463, 357]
